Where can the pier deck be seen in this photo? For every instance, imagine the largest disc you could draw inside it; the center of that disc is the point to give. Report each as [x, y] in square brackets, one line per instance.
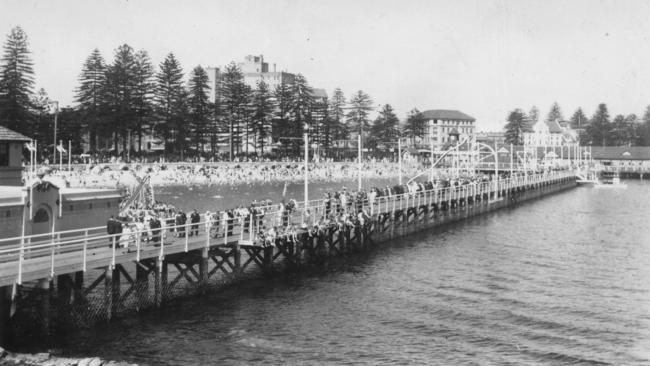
[85, 262]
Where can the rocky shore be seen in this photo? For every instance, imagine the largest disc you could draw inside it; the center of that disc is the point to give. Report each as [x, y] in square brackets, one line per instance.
[47, 359]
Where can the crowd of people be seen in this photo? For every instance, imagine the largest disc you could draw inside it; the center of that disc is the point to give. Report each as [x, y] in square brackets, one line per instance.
[117, 176]
[262, 222]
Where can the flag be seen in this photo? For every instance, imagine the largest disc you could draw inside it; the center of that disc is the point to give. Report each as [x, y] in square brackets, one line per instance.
[29, 146]
[60, 149]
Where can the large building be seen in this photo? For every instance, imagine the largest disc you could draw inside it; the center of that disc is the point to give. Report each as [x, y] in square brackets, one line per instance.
[444, 126]
[623, 158]
[550, 133]
[255, 70]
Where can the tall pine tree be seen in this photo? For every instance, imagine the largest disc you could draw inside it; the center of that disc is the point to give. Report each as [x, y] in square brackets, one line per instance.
[263, 108]
[90, 96]
[120, 94]
[415, 126]
[16, 83]
[199, 106]
[555, 114]
[143, 94]
[358, 116]
[516, 126]
[301, 106]
[336, 114]
[600, 126]
[385, 127]
[235, 98]
[168, 97]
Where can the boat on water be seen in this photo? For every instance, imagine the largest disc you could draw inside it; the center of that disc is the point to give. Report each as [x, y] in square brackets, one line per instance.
[610, 180]
[588, 178]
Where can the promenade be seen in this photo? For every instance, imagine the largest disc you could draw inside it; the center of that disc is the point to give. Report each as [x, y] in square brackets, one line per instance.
[95, 277]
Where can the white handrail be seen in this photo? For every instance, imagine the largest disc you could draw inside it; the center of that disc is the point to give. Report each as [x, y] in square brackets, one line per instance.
[88, 241]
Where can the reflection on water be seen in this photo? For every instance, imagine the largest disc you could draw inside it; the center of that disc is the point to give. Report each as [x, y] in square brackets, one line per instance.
[560, 280]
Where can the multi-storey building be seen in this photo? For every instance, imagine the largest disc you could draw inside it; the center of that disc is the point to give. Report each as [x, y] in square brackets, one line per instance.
[444, 125]
[255, 70]
[550, 133]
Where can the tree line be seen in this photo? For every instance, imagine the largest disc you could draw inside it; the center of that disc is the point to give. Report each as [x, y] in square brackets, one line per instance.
[124, 100]
[599, 130]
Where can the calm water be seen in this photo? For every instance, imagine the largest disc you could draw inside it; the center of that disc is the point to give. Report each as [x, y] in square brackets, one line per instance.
[215, 198]
[561, 280]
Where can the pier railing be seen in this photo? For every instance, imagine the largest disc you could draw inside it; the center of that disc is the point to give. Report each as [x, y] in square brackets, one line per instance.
[44, 255]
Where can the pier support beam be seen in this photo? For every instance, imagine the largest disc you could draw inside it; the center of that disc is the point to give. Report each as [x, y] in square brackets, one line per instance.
[268, 259]
[158, 283]
[142, 281]
[236, 250]
[44, 292]
[203, 270]
[5, 314]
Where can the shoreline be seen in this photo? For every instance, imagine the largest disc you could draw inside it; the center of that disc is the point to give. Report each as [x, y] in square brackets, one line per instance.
[49, 359]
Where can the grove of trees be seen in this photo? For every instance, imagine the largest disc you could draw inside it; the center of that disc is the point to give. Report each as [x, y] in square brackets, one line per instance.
[120, 101]
[599, 130]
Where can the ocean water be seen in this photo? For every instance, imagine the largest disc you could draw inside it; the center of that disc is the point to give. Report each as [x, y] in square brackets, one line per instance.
[563, 280]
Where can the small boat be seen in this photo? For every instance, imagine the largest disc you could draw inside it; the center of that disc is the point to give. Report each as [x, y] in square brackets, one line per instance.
[610, 180]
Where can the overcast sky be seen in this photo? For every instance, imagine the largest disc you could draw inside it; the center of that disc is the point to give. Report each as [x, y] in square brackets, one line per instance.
[482, 57]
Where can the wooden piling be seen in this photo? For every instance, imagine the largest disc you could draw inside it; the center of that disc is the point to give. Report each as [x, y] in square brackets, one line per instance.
[44, 288]
[142, 284]
[203, 269]
[5, 314]
[158, 283]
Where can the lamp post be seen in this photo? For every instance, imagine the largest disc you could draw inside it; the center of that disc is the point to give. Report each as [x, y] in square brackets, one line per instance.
[306, 137]
[399, 159]
[56, 118]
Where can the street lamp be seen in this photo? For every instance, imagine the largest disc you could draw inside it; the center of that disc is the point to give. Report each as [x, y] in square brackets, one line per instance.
[56, 118]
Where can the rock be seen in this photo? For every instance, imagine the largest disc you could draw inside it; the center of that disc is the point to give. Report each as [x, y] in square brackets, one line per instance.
[96, 361]
[37, 357]
[3, 353]
[84, 362]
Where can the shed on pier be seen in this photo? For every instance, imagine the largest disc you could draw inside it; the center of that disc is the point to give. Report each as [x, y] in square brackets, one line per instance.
[41, 206]
[11, 156]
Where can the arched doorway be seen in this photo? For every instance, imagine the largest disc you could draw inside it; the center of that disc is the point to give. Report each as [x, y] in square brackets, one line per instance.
[42, 220]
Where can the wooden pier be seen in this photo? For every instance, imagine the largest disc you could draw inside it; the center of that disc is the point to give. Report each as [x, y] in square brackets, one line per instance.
[64, 280]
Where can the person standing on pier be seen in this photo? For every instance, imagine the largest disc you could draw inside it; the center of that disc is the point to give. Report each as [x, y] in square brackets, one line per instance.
[110, 229]
[194, 219]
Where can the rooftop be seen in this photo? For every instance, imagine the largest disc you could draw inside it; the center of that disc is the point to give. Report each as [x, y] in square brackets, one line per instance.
[9, 135]
[319, 93]
[447, 114]
[620, 152]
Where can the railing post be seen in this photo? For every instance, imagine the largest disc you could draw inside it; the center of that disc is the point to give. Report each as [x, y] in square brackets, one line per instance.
[161, 255]
[137, 245]
[208, 225]
[226, 229]
[52, 258]
[251, 228]
[21, 256]
[187, 236]
[113, 256]
[85, 250]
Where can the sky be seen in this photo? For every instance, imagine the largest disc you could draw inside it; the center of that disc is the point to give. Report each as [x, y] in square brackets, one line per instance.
[484, 58]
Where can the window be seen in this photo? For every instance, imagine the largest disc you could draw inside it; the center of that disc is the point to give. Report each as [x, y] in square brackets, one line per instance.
[41, 216]
[108, 204]
[71, 208]
[8, 214]
[4, 153]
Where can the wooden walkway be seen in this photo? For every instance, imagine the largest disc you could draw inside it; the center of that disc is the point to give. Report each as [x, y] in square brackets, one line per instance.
[35, 258]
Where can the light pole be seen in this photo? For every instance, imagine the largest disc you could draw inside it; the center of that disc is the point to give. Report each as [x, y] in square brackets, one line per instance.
[306, 137]
[56, 118]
